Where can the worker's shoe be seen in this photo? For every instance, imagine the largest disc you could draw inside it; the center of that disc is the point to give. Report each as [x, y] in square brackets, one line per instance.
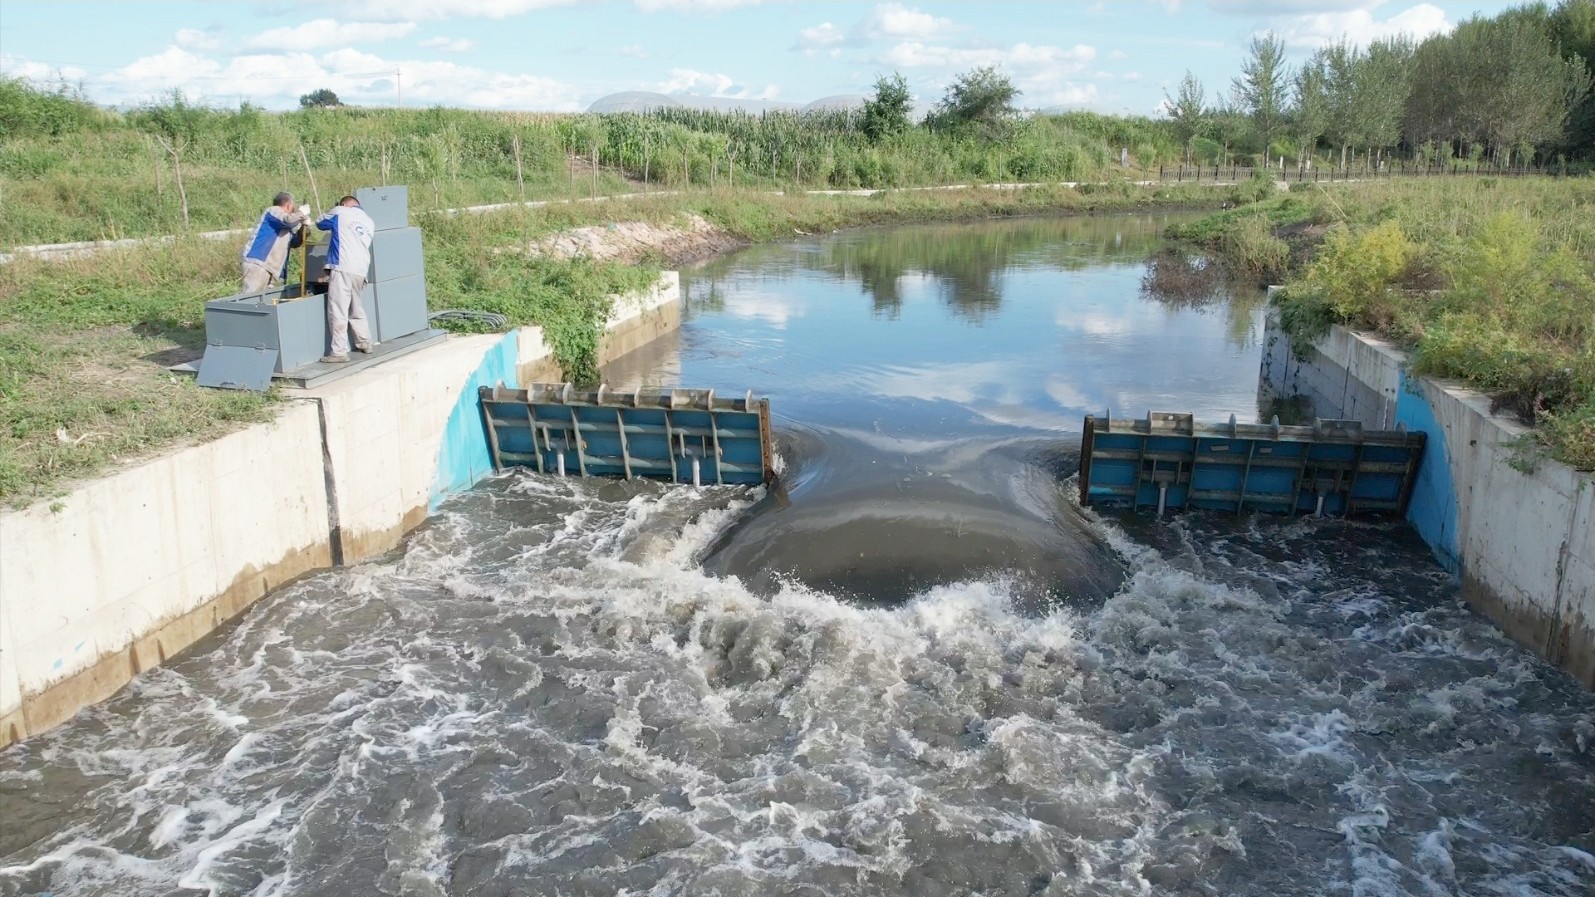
[334, 359]
[364, 347]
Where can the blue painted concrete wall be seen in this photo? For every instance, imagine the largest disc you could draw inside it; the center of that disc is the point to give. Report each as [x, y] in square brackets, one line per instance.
[1433, 510]
[463, 457]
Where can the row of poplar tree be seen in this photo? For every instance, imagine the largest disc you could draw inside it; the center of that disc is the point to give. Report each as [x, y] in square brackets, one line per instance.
[1509, 89]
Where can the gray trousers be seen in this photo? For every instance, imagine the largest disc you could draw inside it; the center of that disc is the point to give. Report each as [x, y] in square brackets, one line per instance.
[345, 311]
[257, 276]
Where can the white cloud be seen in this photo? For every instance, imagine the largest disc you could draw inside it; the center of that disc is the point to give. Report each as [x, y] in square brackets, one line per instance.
[713, 84]
[693, 5]
[820, 37]
[1062, 95]
[1289, 7]
[39, 72]
[635, 51]
[277, 80]
[1044, 74]
[448, 44]
[1360, 25]
[1118, 54]
[195, 39]
[1021, 56]
[320, 33]
[425, 10]
[894, 21]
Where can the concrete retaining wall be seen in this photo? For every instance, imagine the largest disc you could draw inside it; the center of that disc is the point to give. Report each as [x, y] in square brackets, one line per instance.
[128, 570]
[1520, 537]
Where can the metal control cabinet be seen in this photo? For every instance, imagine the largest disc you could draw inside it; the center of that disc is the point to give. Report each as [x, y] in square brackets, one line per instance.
[397, 307]
[389, 207]
[295, 328]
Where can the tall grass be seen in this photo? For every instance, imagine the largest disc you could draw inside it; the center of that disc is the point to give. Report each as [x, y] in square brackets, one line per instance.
[1487, 281]
[70, 171]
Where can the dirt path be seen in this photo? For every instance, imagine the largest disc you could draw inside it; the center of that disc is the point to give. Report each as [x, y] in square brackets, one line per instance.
[689, 239]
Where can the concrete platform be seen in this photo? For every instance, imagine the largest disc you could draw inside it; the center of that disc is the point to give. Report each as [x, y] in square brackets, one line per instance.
[310, 376]
[316, 374]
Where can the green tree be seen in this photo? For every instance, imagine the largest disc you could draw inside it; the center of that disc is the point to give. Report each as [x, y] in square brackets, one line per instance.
[1187, 110]
[1435, 113]
[322, 97]
[1260, 90]
[1573, 27]
[1310, 115]
[980, 101]
[1383, 82]
[1230, 126]
[1343, 124]
[1527, 89]
[886, 113]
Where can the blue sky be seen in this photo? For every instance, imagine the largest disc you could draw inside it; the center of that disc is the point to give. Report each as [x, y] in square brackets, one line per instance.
[1115, 56]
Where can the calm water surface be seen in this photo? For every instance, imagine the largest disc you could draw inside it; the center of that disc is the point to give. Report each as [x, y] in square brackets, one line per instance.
[918, 668]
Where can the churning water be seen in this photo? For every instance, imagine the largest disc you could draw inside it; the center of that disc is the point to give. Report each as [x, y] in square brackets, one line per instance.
[595, 688]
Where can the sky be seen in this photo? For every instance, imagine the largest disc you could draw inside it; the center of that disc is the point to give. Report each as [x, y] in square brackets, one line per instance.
[1115, 56]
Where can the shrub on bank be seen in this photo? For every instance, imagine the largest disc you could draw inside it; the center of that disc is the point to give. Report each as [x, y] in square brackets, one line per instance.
[1490, 281]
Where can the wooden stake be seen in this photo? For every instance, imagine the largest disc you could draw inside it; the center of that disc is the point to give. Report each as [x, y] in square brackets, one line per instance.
[312, 175]
[175, 147]
[515, 143]
[155, 160]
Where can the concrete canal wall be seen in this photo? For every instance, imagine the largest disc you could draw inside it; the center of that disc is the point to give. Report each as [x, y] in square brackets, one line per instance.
[128, 570]
[1521, 536]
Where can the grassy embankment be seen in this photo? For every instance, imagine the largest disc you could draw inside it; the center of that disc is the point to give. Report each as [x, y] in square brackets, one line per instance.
[83, 342]
[1491, 282]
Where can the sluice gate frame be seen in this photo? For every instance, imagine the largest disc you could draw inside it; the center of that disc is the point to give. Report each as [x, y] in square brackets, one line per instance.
[1170, 460]
[681, 435]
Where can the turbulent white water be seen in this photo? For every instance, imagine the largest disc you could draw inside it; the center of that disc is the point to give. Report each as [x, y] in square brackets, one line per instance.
[542, 694]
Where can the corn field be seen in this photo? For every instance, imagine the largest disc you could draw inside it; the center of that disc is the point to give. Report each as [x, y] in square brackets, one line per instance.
[99, 175]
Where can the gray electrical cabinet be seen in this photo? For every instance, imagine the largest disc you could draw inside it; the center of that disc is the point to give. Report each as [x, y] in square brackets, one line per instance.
[389, 207]
[296, 327]
[396, 253]
[402, 305]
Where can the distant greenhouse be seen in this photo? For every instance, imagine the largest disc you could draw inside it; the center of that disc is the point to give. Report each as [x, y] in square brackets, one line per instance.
[633, 101]
[842, 102]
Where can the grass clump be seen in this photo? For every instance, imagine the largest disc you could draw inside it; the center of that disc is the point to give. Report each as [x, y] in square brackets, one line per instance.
[480, 262]
[82, 354]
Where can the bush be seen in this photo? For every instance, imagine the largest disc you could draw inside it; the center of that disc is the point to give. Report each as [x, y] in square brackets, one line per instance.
[1251, 248]
[1258, 187]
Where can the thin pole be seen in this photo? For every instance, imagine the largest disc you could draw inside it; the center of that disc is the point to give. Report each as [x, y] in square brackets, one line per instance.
[398, 88]
[312, 175]
[519, 180]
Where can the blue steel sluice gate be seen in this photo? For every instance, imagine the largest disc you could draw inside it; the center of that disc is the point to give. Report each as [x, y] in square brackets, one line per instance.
[1164, 461]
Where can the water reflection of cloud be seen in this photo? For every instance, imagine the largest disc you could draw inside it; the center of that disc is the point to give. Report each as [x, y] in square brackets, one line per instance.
[1093, 323]
[963, 384]
[996, 391]
[1027, 416]
[1071, 396]
[884, 441]
[759, 306]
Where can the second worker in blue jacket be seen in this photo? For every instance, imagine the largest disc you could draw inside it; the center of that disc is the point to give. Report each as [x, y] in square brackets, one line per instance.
[348, 261]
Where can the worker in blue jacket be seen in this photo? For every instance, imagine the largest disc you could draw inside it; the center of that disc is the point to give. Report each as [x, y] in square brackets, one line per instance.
[348, 263]
[266, 254]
